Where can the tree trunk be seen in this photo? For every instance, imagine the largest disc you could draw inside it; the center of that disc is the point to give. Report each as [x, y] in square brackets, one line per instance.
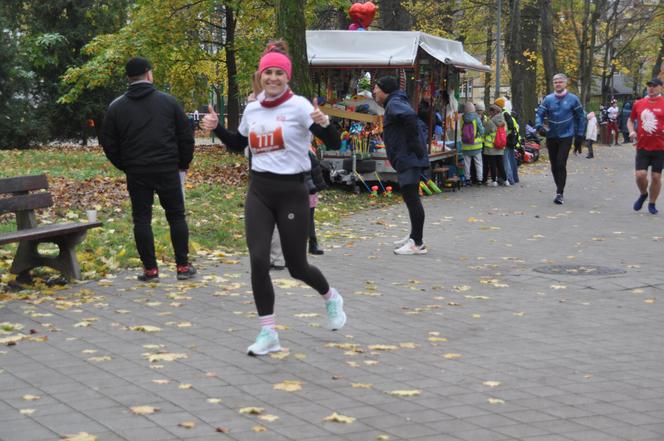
[529, 31]
[395, 17]
[233, 101]
[547, 36]
[586, 90]
[584, 53]
[514, 53]
[291, 27]
[657, 68]
[487, 61]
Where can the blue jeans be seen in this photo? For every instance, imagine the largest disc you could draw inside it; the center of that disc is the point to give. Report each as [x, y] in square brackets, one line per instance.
[511, 170]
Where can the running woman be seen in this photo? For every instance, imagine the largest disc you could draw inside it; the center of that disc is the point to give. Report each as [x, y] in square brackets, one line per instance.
[278, 127]
[566, 120]
[649, 111]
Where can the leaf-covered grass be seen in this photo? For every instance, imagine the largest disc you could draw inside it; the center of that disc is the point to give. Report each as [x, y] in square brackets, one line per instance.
[82, 178]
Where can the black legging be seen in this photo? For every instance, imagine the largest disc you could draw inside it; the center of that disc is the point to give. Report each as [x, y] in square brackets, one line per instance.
[411, 197]
[496, 167]
[558, 154]
[284, 200]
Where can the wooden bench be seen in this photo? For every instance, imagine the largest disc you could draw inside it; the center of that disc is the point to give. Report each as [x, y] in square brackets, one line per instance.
[29, 234]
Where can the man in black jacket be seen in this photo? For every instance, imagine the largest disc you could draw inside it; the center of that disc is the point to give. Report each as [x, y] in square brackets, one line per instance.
[146, 134]
[405, 142]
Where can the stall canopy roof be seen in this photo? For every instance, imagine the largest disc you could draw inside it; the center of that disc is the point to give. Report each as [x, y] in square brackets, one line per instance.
[384, 48]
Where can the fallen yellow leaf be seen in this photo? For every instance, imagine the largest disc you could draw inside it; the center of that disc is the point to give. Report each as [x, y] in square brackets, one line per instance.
[81, 436]
[268, 418]
[362, 385]
[338, 418]
[100, 359]
[143, 410]
[451, 356]
[187, 424]
[405, 393]
[252, 410]
[160, 381]
[26, 411]
[145, 328]
[288, 386]
[495, 401]
[184, 386]
[165, 357]
[382, 347]
[492, 383]
[29, 397]
[258, 429]
[214, 400]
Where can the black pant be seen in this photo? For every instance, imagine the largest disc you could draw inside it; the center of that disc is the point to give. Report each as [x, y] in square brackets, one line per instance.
[496, 167]
[558, 154]
[142, 188]
[411, 197]
[284, 200]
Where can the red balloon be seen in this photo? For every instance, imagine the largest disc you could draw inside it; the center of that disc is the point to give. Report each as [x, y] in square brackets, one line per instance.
[362, 13]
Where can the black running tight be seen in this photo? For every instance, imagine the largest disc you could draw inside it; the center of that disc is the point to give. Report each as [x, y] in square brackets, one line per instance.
[558, 154]
[284, 200]
[411, 197]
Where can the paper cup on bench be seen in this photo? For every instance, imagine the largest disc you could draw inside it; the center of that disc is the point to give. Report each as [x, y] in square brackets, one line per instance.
[92, 215]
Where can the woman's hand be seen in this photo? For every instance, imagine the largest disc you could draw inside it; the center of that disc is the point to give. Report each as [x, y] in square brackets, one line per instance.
[319, 117]
[211, 120]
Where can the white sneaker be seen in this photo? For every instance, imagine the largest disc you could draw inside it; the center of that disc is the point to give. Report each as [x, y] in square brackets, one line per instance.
[400, 242]
[410, 248]
[507, 184]
[267, 341]
[493, 184]
[336, 317]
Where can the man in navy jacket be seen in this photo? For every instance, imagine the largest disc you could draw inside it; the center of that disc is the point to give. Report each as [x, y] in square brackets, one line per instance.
[405, 141]
[565, 121]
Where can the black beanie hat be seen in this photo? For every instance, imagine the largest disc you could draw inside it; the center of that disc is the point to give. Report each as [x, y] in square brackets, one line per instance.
[388, 84]
[137, 66]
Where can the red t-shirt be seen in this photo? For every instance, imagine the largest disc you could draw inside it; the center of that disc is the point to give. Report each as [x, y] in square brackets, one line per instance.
[650, 113]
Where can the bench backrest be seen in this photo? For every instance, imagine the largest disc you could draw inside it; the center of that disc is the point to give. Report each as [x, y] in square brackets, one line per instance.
[20, 199]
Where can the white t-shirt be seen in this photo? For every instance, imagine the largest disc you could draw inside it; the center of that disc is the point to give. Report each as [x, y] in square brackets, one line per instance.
[279, 137]
[613, 113]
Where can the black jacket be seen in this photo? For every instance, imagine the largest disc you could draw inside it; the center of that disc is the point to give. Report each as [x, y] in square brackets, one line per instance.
[404, 141]
[146, 131]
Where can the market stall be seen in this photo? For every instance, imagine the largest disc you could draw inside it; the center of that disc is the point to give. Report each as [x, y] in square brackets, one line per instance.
[345, 65]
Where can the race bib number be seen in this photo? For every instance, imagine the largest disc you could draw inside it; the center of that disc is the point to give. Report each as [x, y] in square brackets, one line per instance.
[263, 139]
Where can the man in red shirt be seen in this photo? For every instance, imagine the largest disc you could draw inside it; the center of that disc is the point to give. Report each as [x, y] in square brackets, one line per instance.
[649, 112]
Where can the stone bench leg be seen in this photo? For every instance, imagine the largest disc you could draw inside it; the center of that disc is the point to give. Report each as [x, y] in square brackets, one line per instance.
[28, 257]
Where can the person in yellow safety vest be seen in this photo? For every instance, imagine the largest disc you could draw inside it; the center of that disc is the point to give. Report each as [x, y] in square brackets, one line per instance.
[494, 156]
[472, 140]
[509, 160]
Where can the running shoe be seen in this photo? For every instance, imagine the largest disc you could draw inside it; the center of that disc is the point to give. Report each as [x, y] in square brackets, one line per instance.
[267, 341]
[186, 272]
[336, 317]
[639, 202]
[149, 275]
[652, 209]
[400, 242]
[559, 199]
[410, 248]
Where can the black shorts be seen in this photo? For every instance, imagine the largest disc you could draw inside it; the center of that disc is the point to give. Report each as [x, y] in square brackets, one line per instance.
[652, 158]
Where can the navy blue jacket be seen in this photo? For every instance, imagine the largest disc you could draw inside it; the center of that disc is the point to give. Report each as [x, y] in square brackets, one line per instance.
[405, 142]
[565, 116]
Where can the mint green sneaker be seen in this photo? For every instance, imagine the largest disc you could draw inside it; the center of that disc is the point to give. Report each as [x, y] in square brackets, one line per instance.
[336, 317]
[266, 342]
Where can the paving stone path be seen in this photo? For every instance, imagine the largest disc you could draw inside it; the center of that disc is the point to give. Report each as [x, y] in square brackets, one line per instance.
[466, 343]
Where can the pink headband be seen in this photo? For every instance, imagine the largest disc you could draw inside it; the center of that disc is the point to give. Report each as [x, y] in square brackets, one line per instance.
[276, 59]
